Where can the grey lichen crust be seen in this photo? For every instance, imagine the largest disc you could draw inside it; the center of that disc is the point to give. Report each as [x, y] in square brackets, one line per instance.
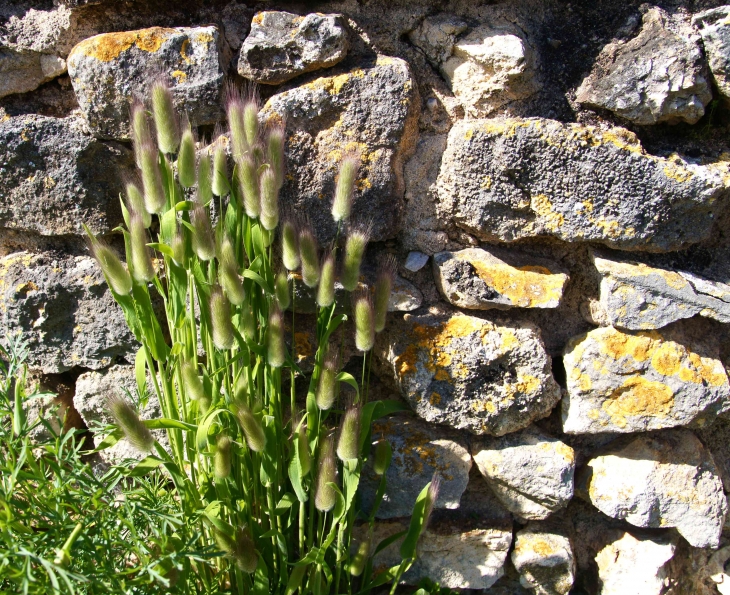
[507, 179]
[282, 45]
[470, 373]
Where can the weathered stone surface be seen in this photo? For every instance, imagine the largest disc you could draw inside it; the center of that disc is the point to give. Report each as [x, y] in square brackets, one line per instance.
[544, 558]
[716, 438]
[530, 472]
[404, 296]
[486, 69]
[53, 177]
[714, 28]
[24, 71]
[506, 179]
[631, 566]
[419, 451]
[62, 308]
[448, 553]
[415, 261]
[662, 480]
[658, 76]
[93, 389]
[636, 296]
[282, 45]
[479, 279]
[107, 70]
[470, 373]
[633, 382]
[372, 110]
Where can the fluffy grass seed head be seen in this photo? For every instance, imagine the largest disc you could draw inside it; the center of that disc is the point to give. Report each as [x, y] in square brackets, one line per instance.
[290, 244]
[240, 548]
[275, 345]
[249, 185]
[326, 389]
[253, 431]
[349, 438]
[309, 255]
[220, 167]
[203, 238]
[364, 320]
[275, 140]
[179, 247]
[325, 496]
[359, 560]
[382, 454]
[222, 457]
[220, 315]
[383, 288]
[165, 116]
[281, 288]
[130, 423]
[135, 201]
[192, 383]
[140, 126]
[345, 187]
[251, 119]
[205, 182]
[247, 323]
[228, 273]
[269, 192]
[234, 112]
[115, 272]
[326, 288]
[142, 267]
[355, 245]
[432, 495]
[154, 192]
[186, 156]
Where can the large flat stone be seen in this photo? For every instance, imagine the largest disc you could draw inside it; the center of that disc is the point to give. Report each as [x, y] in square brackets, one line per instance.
[483, 279]
[469, 373]
[53, 177]
[507, 179]
[543, 555]
[419, 451]
[108, 70]
[282, 45]
[662, 480]
[373, 110]
[714, 27]
[62, 308]
[633, 382]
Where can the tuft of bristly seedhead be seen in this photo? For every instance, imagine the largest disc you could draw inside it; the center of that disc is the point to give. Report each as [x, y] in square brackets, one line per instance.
[239, 548]
[349, 439]
[228, 273]
[382, 453]
[202, 233]
[269, 192]
[220, 164]
[154, 192]
[167, 123]
[193, 385]
[275, 345]
[222, 457]
[235, 114]
[253, 431]
[383, 289]
[275, 141]
[205, 181]
[129, 422]
[281, 289]
[290, 244]
[432, 495]
[186, 156]
[326, 288]
[115, 272]
[325, 496]
[355, 246]
[248, 182]
[326, 389]
[309, 256]
[364, 320]
[220, 315]
[142, 267]
[135, 201]
[140, 126]
[345, 187]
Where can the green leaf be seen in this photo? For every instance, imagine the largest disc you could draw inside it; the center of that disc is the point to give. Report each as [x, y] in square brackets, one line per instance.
[295, 579]
[166, 422]
[286, 502]
[145, 466]
[140, 370]
[185, 205]
[418, 522]
[295, 472]
[109, 441]
[261, 578]
[349, 379]
[375, 410]
[201, 438]
[255, 277]
[164, 248]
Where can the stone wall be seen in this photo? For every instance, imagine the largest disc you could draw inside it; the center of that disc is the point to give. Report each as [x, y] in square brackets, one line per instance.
[553, 179]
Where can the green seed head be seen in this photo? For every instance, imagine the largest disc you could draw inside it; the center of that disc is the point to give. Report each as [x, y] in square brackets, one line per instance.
[234, 111]
[249, 185]
[359, 560]
[220, 168]
[140, 124]
[142, 267]
[240, 389]
[165, 117]
[240, 548]
[432, 495]
[347, 445]
[275, 150]
[281, 285]
[326, 389]
[252, 428]
[290, 245]
[325, 496]
[251, 121]
[154, 192]
[305, 457]
[205, 183]
[269, 190]
[383, 287]
[276, 348]
[135, 202]
[203, 239]
[309, 255]
[345, 188]
[326, 288]
[220, 314]
[115, 272]
[192, 385]
[178, 247]
[364, 321]
[222, 457]
[357, 242]
[381, 457]
[186, 157]
[130, 423]
[228, 273]
[247, 323]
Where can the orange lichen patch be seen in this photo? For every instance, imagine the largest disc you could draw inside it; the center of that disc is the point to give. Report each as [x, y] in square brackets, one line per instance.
[638, 397]
[618, 345]
[184, 51]
[667, 358]
[303, 346]
[538, 545]
[703, 369]
[625, 269]
[434, 399]
[107, 46]
[203, 37]
[542, 207]
[526, 287]
[26, 288]
[180, 76]
[334, 84]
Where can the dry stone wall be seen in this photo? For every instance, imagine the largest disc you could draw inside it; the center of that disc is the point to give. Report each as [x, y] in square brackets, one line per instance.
[553, 180]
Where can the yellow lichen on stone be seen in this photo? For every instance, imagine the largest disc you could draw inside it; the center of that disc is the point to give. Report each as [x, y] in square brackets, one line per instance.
[542, 207]
[703, 369]
[180, 76]
[639, 347]
[203, 37]
[638, 397]
[108, 46]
